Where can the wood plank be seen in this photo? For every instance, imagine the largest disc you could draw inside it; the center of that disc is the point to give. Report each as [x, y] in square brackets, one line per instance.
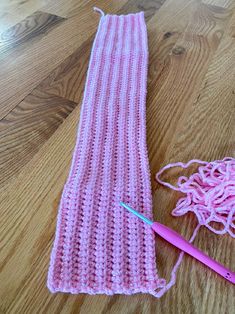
[149, 7]
[14, 11]
[28, 30]
[63, 8]
[164, 30]
[186, 67]
[215, 105]
[26, 128]
[30, 214]
[220, 3]
[68, 79]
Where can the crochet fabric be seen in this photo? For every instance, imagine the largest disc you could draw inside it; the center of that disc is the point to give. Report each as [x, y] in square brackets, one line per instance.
[99, 246]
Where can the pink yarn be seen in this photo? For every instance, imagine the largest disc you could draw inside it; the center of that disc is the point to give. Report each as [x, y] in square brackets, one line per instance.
[99, 246]
[210, 193]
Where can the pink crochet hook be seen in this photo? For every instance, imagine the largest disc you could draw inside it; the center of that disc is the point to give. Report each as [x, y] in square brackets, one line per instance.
[178, 241]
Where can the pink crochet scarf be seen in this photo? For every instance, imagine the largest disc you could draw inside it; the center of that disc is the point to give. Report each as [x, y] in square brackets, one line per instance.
[99, 246]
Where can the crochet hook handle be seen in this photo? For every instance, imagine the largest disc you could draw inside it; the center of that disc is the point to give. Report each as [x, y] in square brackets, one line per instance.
[178, 241]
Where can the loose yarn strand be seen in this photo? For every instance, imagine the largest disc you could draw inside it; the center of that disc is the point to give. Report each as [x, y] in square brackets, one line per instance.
[166, 287]
[99, 11]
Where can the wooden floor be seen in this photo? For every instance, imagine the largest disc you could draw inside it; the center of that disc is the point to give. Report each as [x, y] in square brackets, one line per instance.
[44, 53]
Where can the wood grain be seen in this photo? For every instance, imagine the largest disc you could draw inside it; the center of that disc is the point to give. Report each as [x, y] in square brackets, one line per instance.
[25, 31]
[63, 8]
[68, 79]
[190, 114]
[220, 3]
[26, 128]
[183, 72]
[149, 7]
[14, 11]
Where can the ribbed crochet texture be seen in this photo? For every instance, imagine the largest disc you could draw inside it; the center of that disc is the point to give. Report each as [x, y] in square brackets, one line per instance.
[99, 246]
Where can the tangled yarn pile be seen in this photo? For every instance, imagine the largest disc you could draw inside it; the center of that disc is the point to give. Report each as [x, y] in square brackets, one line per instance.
[210, 194]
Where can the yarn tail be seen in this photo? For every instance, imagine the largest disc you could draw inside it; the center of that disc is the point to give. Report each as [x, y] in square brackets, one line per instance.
[162, 290]
[99, 11]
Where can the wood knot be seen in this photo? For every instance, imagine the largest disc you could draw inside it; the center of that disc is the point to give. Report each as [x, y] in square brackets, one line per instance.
[167, 35]
[178, 50]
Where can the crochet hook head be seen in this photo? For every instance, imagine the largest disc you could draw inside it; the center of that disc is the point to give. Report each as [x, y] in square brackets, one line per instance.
[148, 221]
[178, 241]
